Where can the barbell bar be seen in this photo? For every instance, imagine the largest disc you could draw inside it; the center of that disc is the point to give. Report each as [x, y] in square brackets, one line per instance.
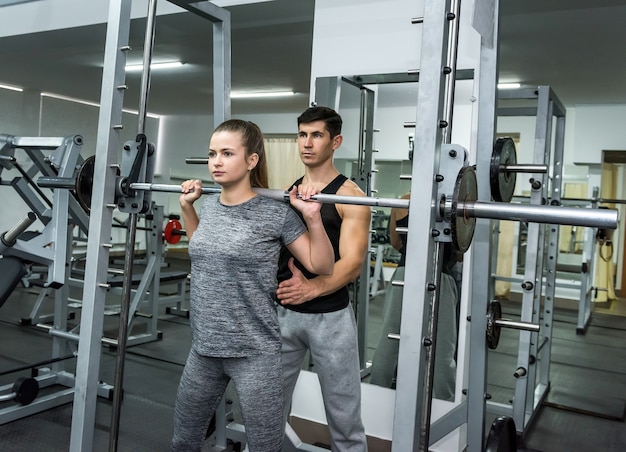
[600, 218]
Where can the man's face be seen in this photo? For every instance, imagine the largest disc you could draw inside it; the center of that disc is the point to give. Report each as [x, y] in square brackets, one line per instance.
[315, 144]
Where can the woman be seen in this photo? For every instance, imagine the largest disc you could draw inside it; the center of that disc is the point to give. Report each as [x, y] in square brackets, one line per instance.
[234, 247]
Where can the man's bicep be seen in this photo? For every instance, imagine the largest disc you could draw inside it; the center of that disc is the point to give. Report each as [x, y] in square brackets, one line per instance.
[355, 230]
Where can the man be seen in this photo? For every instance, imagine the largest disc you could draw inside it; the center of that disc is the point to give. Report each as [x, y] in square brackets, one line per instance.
[317, 315]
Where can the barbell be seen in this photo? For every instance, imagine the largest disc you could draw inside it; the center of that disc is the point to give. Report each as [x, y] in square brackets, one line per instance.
[461, 209]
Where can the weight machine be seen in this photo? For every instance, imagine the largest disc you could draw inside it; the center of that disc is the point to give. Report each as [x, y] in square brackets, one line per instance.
[449, 209]
[51, 249]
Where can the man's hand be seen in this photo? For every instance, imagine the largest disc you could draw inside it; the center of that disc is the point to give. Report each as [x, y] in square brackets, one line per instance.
[297, 289]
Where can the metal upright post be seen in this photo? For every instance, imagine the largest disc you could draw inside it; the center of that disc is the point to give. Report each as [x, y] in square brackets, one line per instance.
[413, 403]
[100, 225]
[364, 180]
[481, 291]
[129, 254]
[526, 371]
[544, 352]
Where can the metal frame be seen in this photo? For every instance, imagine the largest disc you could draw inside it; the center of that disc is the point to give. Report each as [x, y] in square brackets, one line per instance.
[52, 249]
[100, 222]
[532, 381]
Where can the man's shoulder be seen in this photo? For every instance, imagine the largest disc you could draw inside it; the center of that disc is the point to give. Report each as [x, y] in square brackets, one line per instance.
[350, 188]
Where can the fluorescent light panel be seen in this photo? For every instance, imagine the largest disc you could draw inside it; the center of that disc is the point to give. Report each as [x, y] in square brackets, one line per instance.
[12, 88]
[245, 95]
[164, 65]
[93, 104]
[514, 85]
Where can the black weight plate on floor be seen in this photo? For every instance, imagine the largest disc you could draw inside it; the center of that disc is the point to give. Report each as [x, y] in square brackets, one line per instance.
[26, 390]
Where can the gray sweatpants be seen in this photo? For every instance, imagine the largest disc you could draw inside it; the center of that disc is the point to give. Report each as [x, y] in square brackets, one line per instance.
[331, 339]
[258, 381]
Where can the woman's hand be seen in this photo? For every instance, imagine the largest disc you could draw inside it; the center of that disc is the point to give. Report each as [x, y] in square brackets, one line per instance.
[300, 198]
[191, 190]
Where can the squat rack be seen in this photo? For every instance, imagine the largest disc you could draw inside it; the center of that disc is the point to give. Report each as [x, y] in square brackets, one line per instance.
[413, 429]
[100, 221]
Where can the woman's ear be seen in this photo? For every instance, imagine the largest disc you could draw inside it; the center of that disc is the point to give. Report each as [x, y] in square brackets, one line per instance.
[253, 160]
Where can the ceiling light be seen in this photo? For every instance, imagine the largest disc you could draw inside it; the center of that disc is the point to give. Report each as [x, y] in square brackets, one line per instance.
[12, 88]
[250, 95]
[13, 2]
[509, 85]
[165, 65]
[93, 104]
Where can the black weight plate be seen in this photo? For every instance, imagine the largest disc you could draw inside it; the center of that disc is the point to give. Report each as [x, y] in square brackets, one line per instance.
[502, 182]
[465, 190]
[26, 390]
[84, 183]
[493, 330]
[502, 436]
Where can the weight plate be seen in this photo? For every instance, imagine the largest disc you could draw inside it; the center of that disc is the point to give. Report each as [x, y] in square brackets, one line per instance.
[26, 390]
[170, 230]
[84, 183]
[462, 226]
[502, 182]
[493, 331]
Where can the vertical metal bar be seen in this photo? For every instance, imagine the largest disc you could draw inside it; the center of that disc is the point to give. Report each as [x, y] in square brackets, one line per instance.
[148, 47]
[413, 401]
[451, 80]
[481, 289]
[524, 386]
[588, 270]
[221, 70]
[129, 254]
[553, 251]
[328, 91]
[94, 292]
[362, 295]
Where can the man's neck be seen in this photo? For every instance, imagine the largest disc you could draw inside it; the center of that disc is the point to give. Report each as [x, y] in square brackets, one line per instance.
[322, 175]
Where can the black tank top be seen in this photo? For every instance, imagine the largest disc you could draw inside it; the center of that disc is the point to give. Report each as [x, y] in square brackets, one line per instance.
[403, 222]
[332, 224]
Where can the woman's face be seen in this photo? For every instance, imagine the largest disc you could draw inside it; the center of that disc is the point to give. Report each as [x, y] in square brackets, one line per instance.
[228, 163]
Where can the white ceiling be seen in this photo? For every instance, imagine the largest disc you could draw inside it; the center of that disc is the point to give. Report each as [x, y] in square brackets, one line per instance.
[576, 46]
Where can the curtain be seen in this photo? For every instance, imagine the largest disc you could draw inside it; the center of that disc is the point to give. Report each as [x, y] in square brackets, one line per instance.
[283, 161]
[506, 243]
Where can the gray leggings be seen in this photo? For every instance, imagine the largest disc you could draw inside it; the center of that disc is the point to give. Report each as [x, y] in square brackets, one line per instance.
[332, 341]
[258, 380]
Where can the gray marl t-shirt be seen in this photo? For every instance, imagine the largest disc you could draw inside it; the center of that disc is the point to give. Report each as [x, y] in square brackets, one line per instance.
[234, 259]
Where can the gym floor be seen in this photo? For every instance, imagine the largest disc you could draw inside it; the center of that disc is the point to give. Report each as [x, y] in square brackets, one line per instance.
[584, 410]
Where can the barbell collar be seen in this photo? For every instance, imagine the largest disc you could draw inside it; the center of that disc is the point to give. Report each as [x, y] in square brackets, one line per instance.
[517, 325]
[566, 216]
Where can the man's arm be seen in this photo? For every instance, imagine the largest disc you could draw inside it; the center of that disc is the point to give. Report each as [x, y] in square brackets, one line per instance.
[353, 242]
[394, 216]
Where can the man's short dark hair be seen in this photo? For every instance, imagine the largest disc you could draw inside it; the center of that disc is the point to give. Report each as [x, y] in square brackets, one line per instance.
[331, 119]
